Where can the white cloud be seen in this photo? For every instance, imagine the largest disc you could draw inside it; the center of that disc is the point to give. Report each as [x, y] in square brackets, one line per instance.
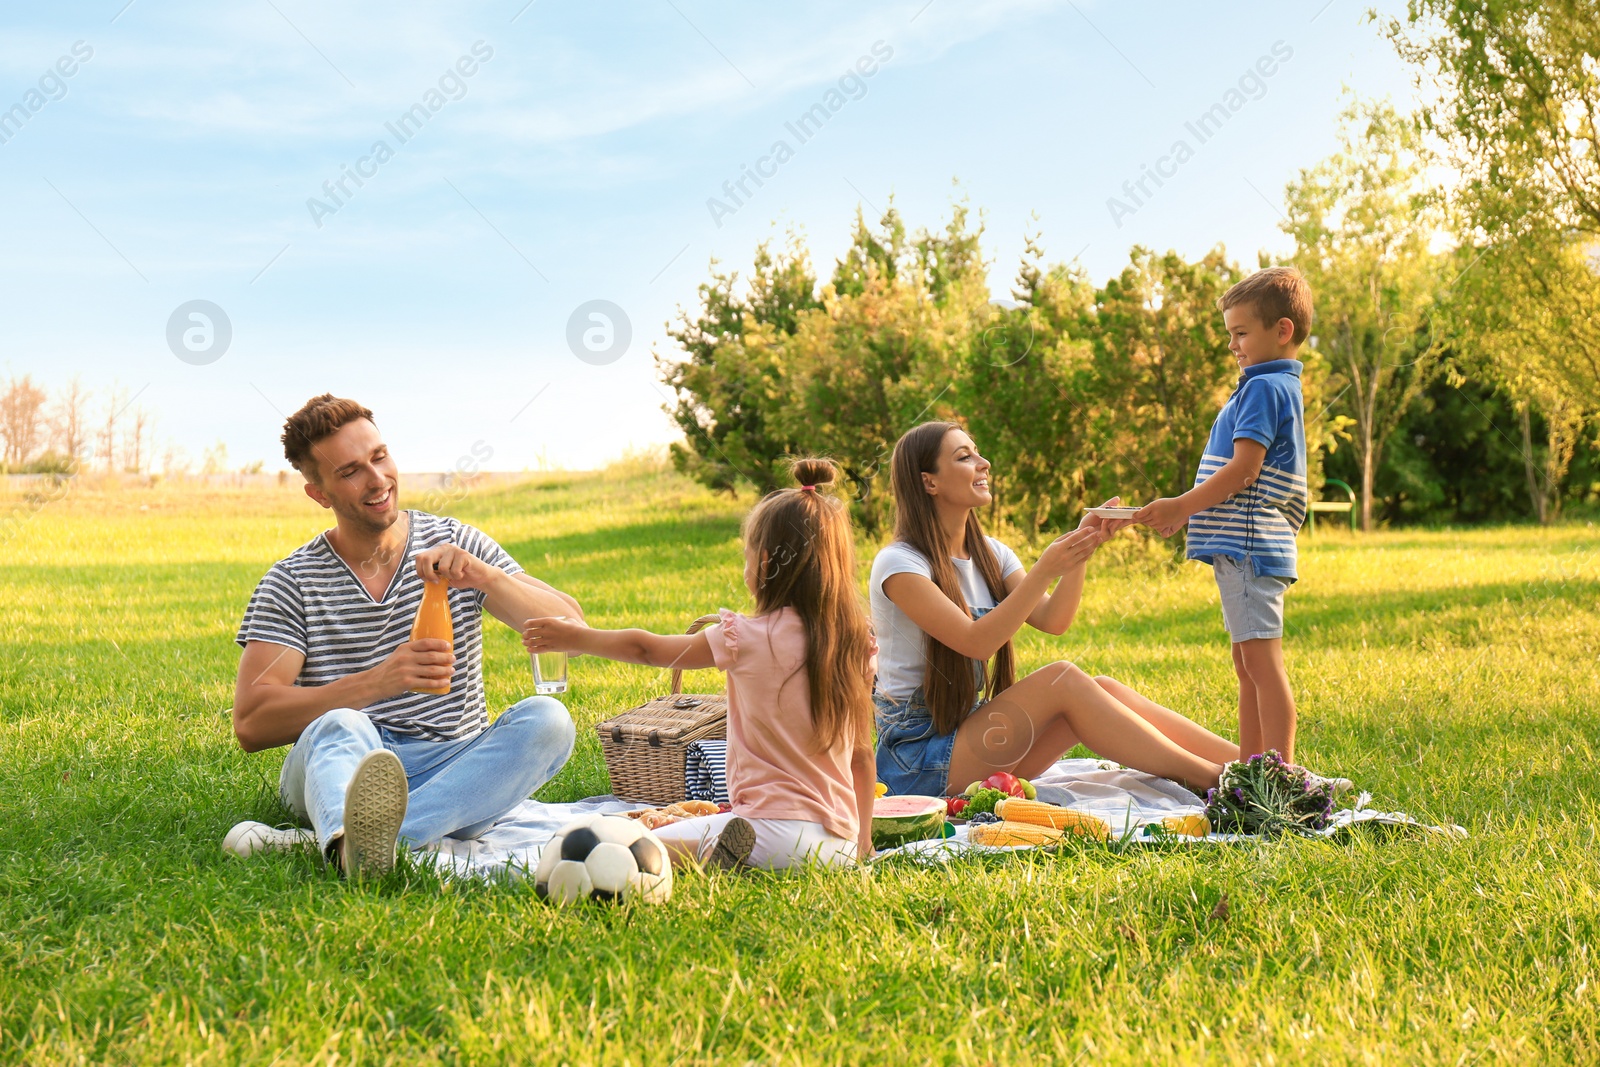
[246, 72]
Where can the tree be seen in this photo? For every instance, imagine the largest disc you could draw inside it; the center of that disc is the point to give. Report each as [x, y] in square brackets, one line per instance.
[1162, 370]
[69, 421]
[1516, 90]
[1516, 86]
[1517, 95]
[1028, 370]
[106, 435]
[884, 352]
[215, 460]
[1362, 221]
[1527, 313]
[22, 422]
[724, 389]
[136, 440]
[175, 461]
[768, 367]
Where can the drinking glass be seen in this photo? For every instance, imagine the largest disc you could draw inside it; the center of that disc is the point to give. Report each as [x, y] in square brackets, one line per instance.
[549, 673]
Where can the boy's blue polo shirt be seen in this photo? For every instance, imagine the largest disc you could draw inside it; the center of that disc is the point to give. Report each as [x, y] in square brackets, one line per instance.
[1261, 521]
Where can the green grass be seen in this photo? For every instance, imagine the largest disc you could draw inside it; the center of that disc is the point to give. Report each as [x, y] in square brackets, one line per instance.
[1453, 673]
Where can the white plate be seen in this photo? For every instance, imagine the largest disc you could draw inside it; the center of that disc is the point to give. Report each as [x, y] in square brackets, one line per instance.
[1113, 513]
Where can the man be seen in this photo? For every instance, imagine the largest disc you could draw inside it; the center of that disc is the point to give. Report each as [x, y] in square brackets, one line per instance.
[329, 667]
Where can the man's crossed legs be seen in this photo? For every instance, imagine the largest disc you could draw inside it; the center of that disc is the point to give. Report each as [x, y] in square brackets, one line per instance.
[345, 776]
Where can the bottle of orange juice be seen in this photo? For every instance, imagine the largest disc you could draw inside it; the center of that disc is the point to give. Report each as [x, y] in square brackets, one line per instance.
[433, 621]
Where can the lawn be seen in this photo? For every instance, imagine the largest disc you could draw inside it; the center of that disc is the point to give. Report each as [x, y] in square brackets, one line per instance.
[1452, 673]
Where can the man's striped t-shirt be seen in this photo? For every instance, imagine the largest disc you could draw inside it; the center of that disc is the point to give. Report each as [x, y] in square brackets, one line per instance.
[315, 604]
[1259, 522]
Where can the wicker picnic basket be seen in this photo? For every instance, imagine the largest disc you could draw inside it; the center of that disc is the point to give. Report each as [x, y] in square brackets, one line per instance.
[645, 747]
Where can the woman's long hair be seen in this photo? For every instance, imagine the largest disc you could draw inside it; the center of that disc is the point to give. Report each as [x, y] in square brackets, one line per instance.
[948, 683]
[806, 557]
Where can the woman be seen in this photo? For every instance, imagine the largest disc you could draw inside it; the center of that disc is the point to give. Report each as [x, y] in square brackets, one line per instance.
[946, 602]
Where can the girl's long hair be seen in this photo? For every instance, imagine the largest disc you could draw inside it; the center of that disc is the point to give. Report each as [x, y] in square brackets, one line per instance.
[806, 560]
[948, 683]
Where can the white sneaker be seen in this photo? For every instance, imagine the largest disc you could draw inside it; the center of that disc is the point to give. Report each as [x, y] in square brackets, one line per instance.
[374, 808]
[248, 838]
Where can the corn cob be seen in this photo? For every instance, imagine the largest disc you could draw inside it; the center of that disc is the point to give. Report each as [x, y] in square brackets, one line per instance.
[1012, 833]
[1038, 813]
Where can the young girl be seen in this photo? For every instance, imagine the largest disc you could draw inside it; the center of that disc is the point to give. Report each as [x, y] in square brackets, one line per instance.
[946, 601]
[800, 765]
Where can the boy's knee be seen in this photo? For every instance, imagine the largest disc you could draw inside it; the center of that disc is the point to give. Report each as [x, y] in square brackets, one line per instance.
[1253, 657]
[1105, 681]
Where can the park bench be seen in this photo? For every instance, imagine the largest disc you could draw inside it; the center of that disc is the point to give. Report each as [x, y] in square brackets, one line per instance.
[1333, 506]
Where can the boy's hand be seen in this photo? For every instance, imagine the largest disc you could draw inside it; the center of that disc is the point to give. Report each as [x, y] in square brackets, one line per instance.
[1165, 516]
[555, 634]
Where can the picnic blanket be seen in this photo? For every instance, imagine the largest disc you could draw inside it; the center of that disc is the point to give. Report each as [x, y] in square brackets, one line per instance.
[511, 846]
[1128, 800]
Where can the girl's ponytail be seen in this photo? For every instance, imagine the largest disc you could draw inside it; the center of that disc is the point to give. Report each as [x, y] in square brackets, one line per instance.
[814, 474]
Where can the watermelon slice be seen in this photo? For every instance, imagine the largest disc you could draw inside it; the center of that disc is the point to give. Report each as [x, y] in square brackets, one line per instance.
[896, 820]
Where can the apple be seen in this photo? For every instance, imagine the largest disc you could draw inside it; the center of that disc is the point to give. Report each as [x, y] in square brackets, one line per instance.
[1007, 783]
[1028, 790]
[971, 789]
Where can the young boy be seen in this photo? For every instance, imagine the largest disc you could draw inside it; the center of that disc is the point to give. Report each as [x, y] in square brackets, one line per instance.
[1249, 496]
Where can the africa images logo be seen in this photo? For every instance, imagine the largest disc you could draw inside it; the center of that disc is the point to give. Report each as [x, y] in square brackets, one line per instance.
[1252, 85]
[52, 86]
[852, 85]
[452, 85]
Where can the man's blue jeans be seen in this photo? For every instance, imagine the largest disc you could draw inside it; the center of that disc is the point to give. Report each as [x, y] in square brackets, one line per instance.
[457, 788]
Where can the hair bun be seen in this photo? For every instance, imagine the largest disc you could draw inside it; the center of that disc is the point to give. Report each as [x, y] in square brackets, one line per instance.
[813, 471]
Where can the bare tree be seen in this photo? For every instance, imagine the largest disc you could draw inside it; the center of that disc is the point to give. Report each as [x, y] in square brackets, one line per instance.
[21, 420]
[175, 461]
[106, 436]
[216, 459]
[69, 421]
[138, 429]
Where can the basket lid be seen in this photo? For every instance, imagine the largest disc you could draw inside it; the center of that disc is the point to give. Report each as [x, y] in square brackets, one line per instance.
[668, 718]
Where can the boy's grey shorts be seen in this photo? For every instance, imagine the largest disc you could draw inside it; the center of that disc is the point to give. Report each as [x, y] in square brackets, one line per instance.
[1252, 604]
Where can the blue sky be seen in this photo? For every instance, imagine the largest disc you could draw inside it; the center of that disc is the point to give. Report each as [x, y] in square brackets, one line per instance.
[575, 163]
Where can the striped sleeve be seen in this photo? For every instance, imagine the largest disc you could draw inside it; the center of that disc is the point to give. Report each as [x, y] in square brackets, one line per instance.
[487, 549]
[275, 613]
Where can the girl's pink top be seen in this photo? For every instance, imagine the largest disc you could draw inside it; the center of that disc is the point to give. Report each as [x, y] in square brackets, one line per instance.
[774, 768]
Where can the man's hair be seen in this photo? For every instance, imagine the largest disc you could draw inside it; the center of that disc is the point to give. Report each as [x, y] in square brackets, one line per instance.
[321, 416]
[1275, 293]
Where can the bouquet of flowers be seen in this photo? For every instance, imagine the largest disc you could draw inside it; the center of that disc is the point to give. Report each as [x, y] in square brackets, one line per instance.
[1265, 795]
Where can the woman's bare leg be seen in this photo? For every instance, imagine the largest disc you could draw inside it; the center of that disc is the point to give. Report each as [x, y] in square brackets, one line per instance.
[1061, 703]
[1056, 741]
[1185, 732]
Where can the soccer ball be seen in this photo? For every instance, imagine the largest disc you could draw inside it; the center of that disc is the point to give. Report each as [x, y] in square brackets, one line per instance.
[604, 857]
